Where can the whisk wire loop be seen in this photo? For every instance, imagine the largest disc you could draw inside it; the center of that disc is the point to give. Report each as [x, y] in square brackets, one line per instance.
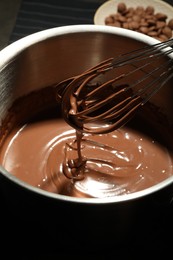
[103, 107]
[141, 53]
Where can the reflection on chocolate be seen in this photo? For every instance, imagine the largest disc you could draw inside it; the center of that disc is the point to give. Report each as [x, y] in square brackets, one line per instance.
[120, 162]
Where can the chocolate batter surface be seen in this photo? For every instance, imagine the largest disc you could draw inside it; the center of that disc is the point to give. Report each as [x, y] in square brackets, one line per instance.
[120, 162]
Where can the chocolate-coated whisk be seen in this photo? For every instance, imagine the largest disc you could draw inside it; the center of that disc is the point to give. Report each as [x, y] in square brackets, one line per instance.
[93, 107]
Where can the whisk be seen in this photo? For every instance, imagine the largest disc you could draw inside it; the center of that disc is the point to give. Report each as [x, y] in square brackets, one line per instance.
[96, 107]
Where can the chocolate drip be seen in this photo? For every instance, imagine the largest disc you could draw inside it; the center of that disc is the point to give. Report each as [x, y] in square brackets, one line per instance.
[93, 107]
[98, 108]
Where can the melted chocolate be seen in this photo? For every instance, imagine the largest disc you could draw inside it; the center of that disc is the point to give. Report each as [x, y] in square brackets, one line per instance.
[48, 153]
[116, 163]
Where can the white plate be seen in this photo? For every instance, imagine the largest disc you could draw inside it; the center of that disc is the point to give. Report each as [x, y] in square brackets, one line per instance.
[110, 7]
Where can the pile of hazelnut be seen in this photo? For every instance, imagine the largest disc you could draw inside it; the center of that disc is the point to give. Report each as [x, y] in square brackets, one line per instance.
[143, 20]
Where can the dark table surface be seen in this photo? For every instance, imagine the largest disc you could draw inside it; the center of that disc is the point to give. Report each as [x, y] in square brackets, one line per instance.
[33, 16]
[36, 15]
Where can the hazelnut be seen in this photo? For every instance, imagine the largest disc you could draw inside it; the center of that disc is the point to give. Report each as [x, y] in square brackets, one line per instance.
[167, 31]
[161, 16]
[170, 24]
[149, 9]
[121, 7]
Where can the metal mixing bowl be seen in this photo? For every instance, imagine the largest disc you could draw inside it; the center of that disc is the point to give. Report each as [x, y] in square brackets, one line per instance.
[40, 60]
